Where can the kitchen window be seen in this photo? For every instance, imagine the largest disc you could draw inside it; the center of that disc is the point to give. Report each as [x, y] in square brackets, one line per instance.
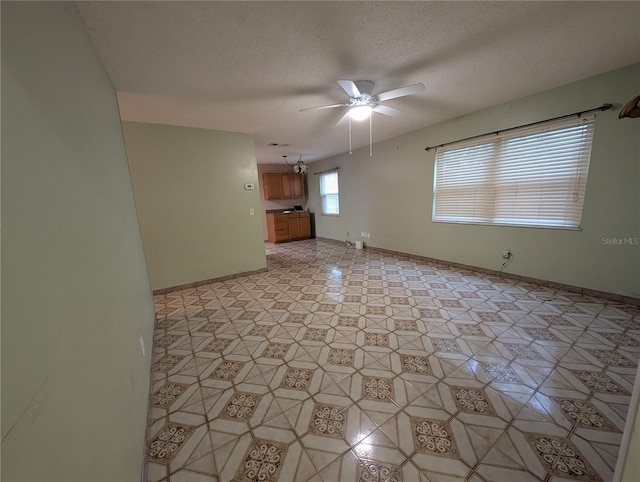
[330, 193]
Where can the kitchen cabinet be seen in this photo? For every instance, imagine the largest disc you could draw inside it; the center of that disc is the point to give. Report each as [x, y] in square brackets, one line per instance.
[305, 225]
[281, 186]
[294, 227]
[272, 185]
[282, 227]
[292, 184]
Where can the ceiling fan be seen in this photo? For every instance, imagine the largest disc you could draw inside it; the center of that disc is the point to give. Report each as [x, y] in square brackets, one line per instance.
[362, 101]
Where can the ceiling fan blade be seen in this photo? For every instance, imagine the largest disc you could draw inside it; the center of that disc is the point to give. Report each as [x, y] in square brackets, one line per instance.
[343, 119]
[386, 110]
[401, 92]
[350, 88]
[325, 107]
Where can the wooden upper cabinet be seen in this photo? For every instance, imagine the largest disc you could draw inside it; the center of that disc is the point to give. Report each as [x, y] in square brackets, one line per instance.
[281, 186]
[272, 185]
[286, 186]
[296, 186]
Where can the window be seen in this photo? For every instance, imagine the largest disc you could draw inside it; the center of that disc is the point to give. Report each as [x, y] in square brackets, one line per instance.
[329, 193]
[533, 176]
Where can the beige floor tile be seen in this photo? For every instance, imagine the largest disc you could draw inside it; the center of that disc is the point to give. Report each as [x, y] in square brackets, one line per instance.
[342, 365]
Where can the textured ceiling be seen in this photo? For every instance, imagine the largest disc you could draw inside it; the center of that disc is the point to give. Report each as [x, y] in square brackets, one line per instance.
[250, 66]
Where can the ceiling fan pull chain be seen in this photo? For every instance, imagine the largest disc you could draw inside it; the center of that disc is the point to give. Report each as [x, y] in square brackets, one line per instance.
[350, 135]
[370, 138]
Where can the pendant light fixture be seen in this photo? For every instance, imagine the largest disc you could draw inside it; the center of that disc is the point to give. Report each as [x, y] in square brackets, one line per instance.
[299, 167]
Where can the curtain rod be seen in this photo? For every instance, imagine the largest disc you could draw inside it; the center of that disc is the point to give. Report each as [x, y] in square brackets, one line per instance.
[326, 170]
[603, 107]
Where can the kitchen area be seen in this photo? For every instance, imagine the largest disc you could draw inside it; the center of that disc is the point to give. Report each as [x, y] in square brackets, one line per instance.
[283, 202]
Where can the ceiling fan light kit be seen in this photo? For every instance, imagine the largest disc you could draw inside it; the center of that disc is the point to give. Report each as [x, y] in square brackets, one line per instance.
[362, 102]
[360, 113]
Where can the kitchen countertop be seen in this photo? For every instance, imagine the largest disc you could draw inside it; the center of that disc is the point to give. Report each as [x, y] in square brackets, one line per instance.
[282, 211]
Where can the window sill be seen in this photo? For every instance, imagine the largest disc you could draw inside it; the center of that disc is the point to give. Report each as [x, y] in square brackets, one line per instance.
[507, 225]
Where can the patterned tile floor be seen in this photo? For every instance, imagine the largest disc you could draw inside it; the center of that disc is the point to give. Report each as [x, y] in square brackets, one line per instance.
[344, 365]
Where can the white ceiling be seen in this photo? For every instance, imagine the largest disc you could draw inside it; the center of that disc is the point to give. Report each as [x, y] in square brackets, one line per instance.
[250, 66]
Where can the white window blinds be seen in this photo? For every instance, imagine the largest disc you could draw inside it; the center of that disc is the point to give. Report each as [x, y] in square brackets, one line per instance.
[330, 193]
[534, 176]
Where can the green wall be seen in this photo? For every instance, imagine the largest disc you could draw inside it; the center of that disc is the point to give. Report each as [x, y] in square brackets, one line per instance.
[191, 201]
[76, 301]
[390, 194]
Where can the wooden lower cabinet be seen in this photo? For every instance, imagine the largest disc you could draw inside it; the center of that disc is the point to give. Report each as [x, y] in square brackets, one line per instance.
[280, 230]
[294, 227]
[305, 225]
[282, 227]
